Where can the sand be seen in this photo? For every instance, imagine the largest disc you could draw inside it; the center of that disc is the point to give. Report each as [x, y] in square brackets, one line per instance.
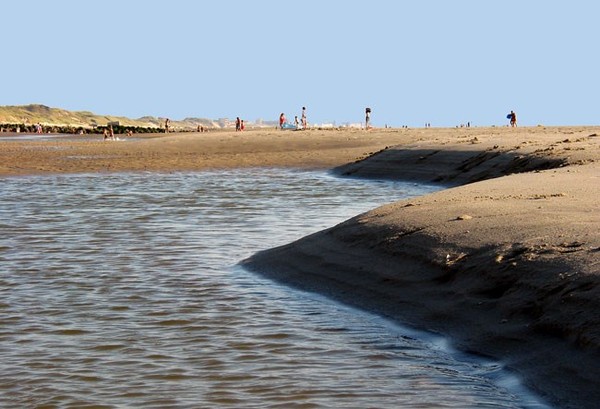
[189, 151]
[505, 261]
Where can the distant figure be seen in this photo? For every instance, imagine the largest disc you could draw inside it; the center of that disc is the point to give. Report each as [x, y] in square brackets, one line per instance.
[281, 120]
[367, 118]
[105, 134]
[303, 118]
[296, 122]
[111, 132]
[238, 124]
[242, 126]
[513, 119]
[167, 121]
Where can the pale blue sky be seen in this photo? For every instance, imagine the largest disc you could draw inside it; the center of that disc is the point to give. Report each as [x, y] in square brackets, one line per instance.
[438, 61]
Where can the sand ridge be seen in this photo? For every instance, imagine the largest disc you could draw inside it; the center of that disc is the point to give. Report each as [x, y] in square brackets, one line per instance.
[508, 267]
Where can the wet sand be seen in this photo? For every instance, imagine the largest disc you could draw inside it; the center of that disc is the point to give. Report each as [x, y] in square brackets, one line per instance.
[506, 261]
[189, 151]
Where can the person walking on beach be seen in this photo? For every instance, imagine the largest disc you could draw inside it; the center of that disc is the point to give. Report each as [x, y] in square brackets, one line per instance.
[238, 124]
[281, 120]
[296, 122]
[513, 119]
[303, 118]
[167, 121]
[368, 118]
[242, 126]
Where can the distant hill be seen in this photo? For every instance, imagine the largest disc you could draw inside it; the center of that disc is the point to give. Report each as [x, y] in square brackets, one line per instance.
[36, 113]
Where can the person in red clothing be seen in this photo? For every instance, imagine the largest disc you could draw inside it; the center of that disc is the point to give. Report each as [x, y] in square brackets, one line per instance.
[281, 120]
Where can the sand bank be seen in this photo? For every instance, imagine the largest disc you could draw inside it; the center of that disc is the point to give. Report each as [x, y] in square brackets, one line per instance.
[507, 266]
[190, 151]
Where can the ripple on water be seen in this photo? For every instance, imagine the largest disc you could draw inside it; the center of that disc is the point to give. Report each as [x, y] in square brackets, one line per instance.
[121, 290]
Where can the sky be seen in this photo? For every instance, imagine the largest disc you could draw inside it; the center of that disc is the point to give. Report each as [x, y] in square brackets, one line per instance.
[412, 62]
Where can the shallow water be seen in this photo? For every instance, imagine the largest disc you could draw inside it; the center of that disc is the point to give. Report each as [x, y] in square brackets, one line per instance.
[122, 290]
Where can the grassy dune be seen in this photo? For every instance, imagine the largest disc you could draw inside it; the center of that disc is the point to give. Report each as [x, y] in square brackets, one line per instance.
[35, 113]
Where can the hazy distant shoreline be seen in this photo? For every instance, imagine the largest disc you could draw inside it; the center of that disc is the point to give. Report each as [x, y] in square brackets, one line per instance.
[23, 118]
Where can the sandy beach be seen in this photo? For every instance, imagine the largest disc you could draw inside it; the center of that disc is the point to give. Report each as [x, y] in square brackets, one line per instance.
[190, 151]
[505, 261]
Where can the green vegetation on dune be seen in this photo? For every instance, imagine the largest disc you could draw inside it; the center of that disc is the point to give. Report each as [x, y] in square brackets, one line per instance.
[36, 113]
[29, 115]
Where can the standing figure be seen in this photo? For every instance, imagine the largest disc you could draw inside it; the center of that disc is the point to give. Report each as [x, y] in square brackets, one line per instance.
[238, 124]
[242, 126]
[296, 122]
[368, 118]
[281, 120]
[513, 119]
[167, 121]
[303, 119]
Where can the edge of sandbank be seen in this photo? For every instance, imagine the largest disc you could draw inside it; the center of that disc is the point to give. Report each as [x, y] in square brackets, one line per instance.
[484, 305]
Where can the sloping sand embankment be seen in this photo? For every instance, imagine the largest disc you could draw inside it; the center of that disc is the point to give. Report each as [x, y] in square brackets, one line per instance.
[508, 267]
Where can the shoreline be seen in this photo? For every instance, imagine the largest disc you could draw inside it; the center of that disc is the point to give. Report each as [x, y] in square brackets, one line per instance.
[191, 151]
[506, 264]
[505, 261]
